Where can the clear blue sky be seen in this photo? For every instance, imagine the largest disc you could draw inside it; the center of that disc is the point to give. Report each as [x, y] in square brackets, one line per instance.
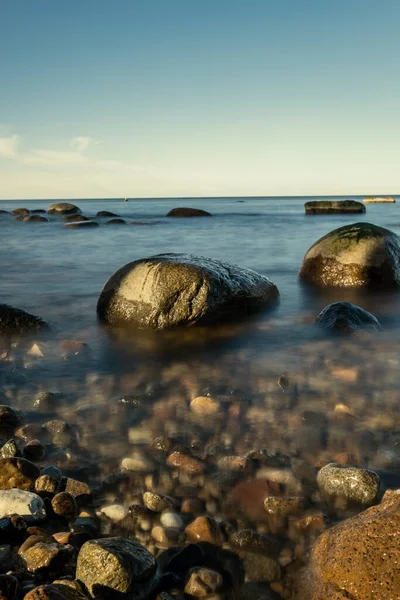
[184, 97]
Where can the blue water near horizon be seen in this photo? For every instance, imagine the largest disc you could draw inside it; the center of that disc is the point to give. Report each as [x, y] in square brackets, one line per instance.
[58, 273]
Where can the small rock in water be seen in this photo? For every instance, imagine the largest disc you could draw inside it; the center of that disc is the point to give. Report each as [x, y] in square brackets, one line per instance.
[34, 451]
[137, 463]
[17, 473]
[157, 502]
[184, 462]
[10, 420]
[115, 512]
[205, 406]
[340, 482]
[171, 519]
[204, 529]
[37, 351]
[9, 449]
[64, 505]
[203, 582]
[345, 317]
[27, 504]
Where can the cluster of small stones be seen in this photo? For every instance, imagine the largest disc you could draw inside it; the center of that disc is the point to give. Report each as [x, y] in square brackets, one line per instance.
[168, 490]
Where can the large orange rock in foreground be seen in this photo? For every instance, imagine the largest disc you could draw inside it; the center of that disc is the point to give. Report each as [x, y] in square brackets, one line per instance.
[358, 558]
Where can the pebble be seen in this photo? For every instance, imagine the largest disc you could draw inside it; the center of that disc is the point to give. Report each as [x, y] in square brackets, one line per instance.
[185, 463]
[115, 512]
[157, 502]
[204, 529]
[337, 482]
[137, 463]
[283, 506]
[233, 463]
[27, 504]
[203, 582]
[172, 520]
[64, 505]
[46, 485]
[205, 406]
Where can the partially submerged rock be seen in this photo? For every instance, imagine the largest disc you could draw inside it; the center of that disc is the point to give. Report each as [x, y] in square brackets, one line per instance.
[375, 199]
[356, 559]
[188, 212]
[17, 321]
[170, 290]
[346, 317]
[20, 211]
[82, 224]
[361, 254]
[20, 502]
[17, 473]
[35, 218]
[63, 208]
[333, 207]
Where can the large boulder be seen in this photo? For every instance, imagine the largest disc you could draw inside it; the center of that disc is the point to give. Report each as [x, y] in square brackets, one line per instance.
[361, 254]
[169, 290]
[63, 208]
[356, 559]
[346, 318]
[188, 212]
[333, 207]
[17, 321]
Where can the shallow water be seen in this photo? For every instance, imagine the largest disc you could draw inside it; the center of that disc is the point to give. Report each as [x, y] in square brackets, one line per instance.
[58, 274]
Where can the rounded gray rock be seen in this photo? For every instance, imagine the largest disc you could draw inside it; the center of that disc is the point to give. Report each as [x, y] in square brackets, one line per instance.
[333, 207]
[346, 317]
[355, 485]
[170, 290]
[357, 255]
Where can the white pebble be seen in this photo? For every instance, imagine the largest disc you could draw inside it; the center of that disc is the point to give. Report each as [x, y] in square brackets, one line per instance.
[30, 506]
[115, 512]
[171, 520]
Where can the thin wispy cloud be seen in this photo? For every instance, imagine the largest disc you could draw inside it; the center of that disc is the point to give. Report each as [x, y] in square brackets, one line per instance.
[51, 158]
[8, 146]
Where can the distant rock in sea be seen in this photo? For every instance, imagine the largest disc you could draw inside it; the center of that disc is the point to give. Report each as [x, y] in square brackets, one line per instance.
[188, 212]
[377, 199]
[63, 208]
[170, 290]
[331, 207]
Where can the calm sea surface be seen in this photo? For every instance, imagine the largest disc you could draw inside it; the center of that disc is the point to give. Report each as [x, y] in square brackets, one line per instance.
[58, 273]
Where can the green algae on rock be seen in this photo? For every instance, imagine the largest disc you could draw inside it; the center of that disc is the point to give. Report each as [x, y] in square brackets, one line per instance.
[170, 290]
[361, 254]
[333, 207]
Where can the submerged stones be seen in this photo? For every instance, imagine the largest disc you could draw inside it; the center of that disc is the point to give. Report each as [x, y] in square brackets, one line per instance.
[333, 207]
[188, 212]
[361, 254]
[345, 317]
[170, 290]
[63, 208]
[17, 321]
[353, 485]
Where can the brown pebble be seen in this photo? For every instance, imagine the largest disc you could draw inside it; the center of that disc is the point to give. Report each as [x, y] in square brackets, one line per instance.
[46, 485]
[192, 506]
[203, 582]
[205, 406]
[204, 529]
[64, 505]
[185, 463]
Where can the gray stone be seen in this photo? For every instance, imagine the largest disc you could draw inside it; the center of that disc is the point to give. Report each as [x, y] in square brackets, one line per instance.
[20, 502]
[115, 565]
[14, 321]
[333, 207]
[338, 482]
[361, 254]
[170, 290]
[346, 317]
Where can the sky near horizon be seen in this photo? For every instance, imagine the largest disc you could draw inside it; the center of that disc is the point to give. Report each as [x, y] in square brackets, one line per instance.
[156, 98]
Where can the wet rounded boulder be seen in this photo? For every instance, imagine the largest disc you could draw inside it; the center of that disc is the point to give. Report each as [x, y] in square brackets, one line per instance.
[170, 290]
[357, 558]
[63, 208]
[357, 255]
[333, 207]
[345, 317]
[188, 212]
[17, 321]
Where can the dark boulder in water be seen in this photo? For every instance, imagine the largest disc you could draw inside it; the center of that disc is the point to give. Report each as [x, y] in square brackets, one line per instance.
[346, 317]
[106, 213]
[17, 321]
[63, 208]
[20, 211]
[116, 222]
[35, 218]
[357, 255]
[170, 290]
[81, 224]
[333, 207]
[38, 211]
[188, 212]
[74, 218]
